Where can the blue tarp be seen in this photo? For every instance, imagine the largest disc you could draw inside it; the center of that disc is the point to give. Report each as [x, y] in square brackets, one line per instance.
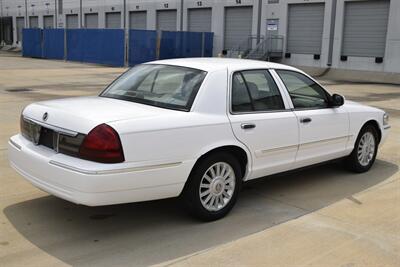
[32, 44]
[101, 46]
[53, 43]
[142, 46]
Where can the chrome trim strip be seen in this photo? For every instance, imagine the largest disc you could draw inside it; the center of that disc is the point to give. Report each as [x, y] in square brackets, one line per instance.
[54, 128]
[387, 127]
[272, 150]
[15, 145]
[116, 171]
[326, 140]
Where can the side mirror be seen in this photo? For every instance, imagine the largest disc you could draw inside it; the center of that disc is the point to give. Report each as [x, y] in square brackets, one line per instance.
[337, 100]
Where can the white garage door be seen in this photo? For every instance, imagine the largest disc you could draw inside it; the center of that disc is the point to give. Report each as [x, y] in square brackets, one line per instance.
[92, 21]
[20, 26]
[72, 21]
[238, 24]
[113, 20]
[305, 28]
[48, 22]
[166, 20]
[365, 27]
[138, 20]
[199, 20]
[34, 22]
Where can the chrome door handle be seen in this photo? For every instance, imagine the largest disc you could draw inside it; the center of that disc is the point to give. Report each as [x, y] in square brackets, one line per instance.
[247, 126]
[305, 120]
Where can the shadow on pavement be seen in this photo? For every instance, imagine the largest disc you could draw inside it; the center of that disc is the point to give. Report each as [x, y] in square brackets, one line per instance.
[158, 231]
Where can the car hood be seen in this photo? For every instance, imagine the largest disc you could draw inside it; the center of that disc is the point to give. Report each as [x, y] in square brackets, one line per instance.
[81, 114]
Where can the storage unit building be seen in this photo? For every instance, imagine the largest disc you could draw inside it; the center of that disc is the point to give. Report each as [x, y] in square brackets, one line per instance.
[113, 20]
[48, 22]
[72, 21]
[166, 20]
[365, 28]
[305, 28]
[199, 19]
[238, 26]
[138, 20]
[92, 21]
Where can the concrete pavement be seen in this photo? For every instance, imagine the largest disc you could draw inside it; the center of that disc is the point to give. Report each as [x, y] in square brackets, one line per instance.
[322, 216]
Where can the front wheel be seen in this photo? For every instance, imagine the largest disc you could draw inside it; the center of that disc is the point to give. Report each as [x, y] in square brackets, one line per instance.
[365, 149]
[213, 187]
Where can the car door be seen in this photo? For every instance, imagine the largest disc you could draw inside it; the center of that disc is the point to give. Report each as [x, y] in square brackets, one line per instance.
[324, 130]
[262, 120]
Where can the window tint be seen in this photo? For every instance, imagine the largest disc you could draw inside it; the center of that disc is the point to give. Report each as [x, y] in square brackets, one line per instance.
[304, 92]
[255, 91]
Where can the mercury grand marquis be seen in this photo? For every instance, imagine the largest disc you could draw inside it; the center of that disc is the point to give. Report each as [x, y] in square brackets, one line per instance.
[193, 128]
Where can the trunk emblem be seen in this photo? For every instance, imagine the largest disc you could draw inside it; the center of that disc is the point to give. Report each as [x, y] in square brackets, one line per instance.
[45, 116]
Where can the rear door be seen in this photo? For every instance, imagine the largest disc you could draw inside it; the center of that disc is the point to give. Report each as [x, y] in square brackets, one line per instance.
[324, 130]
[262, 120]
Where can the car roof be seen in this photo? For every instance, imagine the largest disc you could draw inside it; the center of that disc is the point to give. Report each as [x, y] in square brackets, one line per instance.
[215, 63]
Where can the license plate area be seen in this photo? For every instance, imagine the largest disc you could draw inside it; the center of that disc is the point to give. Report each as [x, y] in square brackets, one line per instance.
[48, 138]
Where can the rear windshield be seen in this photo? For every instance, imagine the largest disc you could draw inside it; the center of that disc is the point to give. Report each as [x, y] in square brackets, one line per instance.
[158, 85]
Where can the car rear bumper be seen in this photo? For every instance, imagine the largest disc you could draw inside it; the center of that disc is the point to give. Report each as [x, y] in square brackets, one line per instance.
[96, 184]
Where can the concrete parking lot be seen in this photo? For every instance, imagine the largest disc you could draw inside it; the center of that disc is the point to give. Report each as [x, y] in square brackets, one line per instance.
[322, 216]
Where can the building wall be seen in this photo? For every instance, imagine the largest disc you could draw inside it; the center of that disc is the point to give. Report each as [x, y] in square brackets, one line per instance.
[262, 11]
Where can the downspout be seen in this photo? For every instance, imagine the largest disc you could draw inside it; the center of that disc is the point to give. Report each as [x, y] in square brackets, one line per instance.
[259, 21]
[55, 13]
[26, 14]
[81, 11]
[332, 33]
[1, 22]
[181, 19]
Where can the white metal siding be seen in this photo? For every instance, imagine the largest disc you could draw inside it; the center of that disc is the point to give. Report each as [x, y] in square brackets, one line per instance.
[199, 19]
[34, 22]
[113, 20]
[365, 28]
[305, 28]
[91, 21]
[20, 26]
[166, 20]
[138, 20]
[48, 22]
[72, 21]
[238, 24]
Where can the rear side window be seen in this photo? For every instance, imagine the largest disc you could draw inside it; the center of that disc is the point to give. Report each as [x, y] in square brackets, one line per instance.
[255, 90]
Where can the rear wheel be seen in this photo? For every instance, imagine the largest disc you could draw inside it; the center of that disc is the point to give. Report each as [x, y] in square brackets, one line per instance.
[213, 187]
[365, 149]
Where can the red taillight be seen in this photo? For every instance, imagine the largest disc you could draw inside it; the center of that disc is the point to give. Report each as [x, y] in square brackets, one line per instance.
[102, 144]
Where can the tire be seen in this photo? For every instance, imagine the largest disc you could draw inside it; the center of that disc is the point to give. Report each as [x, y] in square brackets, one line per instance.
[213, 186]
[355, 161]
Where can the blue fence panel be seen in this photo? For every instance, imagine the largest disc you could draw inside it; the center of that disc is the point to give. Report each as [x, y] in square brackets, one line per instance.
[53, 43]
[208, 44]
[32, 44]
[101, 46]
[142, 46]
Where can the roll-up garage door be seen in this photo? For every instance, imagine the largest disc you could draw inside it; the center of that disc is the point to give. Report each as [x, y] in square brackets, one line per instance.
[20, 26]
[72, 21]
[238, 24]
[48, 22]
[91, 21]
[305, 28]
[365, 27]
[113, 20]
[166, 20]
[138, 20]
[34, 22]
[199, 20]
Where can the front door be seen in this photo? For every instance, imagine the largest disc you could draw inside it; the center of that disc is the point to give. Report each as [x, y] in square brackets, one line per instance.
[324, 130]
[261, 119]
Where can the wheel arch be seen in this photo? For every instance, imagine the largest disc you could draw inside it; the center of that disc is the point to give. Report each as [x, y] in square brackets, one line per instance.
[374, 123]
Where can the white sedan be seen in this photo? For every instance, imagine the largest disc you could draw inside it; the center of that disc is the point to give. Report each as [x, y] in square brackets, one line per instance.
[194, 128]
